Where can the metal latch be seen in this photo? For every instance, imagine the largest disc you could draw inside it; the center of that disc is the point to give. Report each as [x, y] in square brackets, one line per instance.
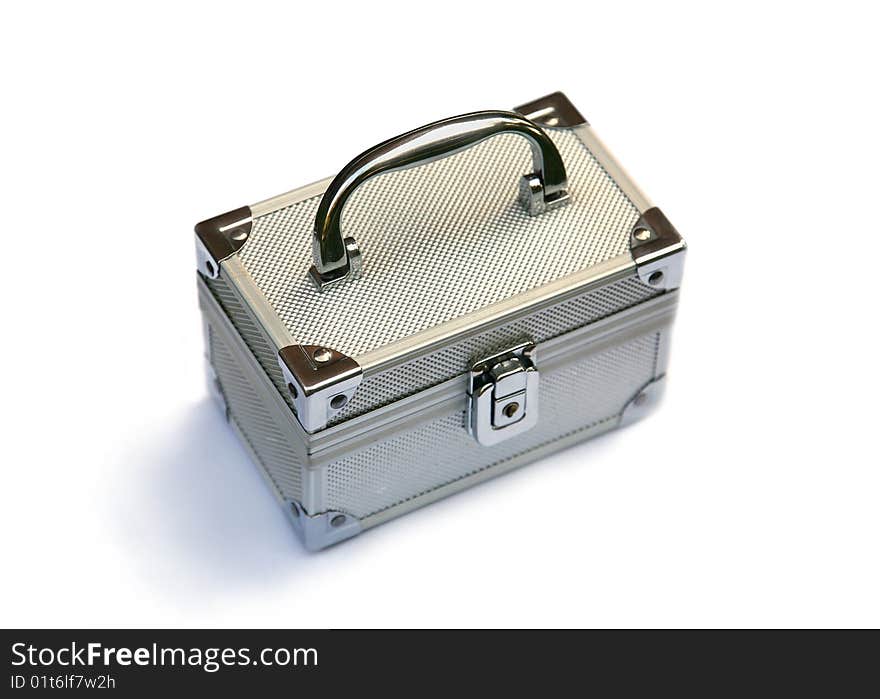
[503, 394]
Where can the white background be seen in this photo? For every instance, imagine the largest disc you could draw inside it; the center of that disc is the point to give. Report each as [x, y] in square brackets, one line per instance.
[749, 498]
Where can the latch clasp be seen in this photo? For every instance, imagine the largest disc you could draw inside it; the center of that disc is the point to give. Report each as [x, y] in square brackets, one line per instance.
[503, 394]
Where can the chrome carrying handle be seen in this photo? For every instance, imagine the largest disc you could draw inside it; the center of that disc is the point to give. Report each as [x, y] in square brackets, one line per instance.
[337, 258]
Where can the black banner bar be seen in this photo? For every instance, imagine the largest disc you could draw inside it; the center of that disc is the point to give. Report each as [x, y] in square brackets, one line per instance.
[136, 662]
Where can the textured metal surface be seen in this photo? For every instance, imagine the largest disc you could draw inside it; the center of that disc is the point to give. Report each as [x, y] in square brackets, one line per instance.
[439, 241]
[426, 371]
[255, 421]
[243, 321]
[578, 397]
[423, 372]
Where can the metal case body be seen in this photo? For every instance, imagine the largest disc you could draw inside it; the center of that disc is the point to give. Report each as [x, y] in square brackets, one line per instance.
[374, 396]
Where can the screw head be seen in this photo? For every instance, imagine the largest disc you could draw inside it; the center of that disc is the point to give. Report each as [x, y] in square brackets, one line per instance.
[322, 355]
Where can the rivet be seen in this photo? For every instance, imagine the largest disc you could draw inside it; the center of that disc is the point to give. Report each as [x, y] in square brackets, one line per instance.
[322, 355]
[337, 521]
[642, 234]
[510, 409]
[641, 398]
[339, 401]
[655, 278]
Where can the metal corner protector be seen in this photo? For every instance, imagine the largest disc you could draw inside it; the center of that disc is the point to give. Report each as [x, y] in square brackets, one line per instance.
[553, 110]
[321, 382]
[324, 529]
[658, 250]
[221, 237]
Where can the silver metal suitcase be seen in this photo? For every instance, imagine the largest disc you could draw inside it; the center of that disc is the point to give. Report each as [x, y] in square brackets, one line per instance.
[458, 301]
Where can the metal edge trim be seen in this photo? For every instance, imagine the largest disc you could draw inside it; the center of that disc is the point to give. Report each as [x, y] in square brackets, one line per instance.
[294, 196]
[255, 302]
[340, 440]
[454, 330]
[612, 166]
[554, 110]
[494, 315]
[661, 307]
[255, 373]
[263, 315]
[661, 366]
[488, 473]
[313, 530]
[438, 400]
[267, 477]
[457, 329]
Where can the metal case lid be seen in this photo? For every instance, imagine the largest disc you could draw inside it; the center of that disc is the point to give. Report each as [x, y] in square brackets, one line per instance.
[447, 248]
